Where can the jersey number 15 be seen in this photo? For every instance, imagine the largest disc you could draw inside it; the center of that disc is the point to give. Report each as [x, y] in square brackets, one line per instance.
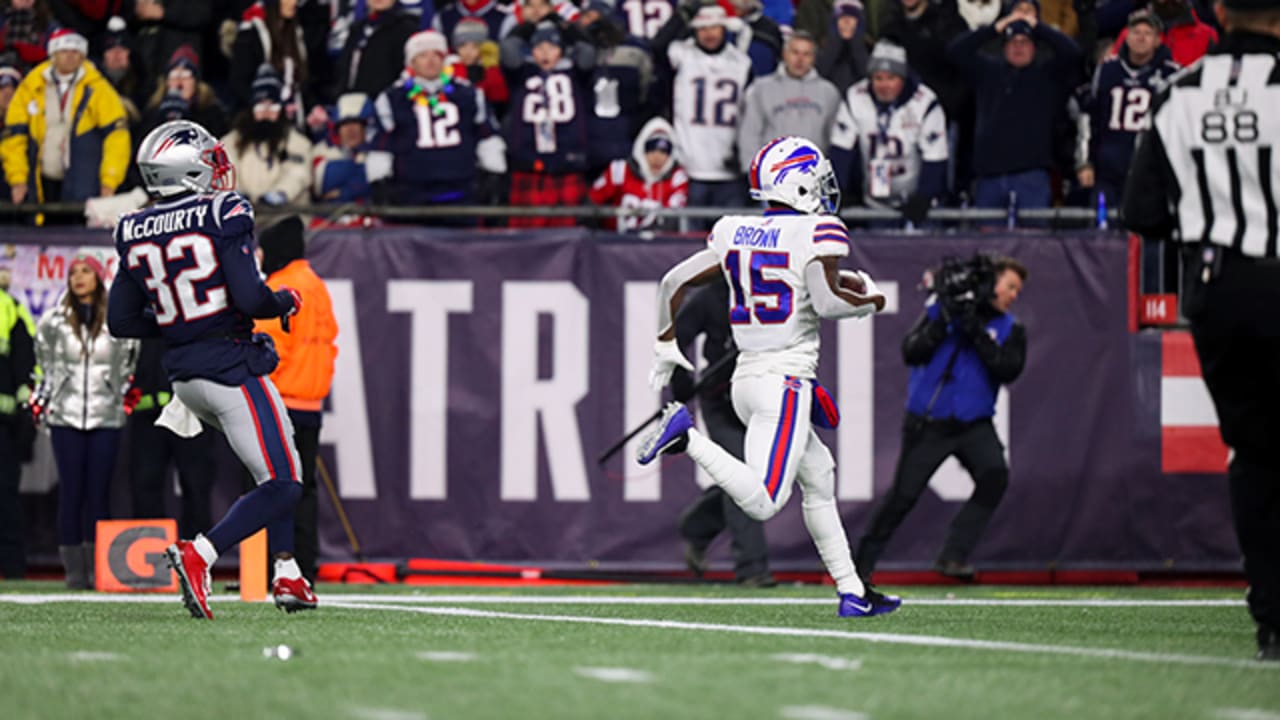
[776, 294]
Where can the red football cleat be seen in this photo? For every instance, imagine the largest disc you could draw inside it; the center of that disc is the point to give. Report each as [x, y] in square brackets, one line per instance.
[292, 595]
[193, 577]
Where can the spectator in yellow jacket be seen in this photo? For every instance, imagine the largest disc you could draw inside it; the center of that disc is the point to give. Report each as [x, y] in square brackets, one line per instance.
[65, 132]
[305, 373]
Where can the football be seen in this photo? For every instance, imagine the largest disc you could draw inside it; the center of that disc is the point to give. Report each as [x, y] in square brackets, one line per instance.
[852, 282]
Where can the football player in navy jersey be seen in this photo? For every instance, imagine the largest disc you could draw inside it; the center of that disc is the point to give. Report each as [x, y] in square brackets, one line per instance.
[188, 276]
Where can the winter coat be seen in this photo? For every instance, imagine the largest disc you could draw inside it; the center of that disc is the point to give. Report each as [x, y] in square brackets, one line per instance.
[287, 170]
[85, 379]
[308, 350]
[373, 56]
[631, 184]
[99, 150]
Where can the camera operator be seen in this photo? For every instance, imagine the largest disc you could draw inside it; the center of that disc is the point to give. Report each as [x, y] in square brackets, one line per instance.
[961, 350]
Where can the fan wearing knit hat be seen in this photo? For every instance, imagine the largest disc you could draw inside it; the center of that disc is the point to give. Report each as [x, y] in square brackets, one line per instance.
[73, 138]
[341, 160]
[477, 60]
[180, 94]
[272, 158]
[548, 66]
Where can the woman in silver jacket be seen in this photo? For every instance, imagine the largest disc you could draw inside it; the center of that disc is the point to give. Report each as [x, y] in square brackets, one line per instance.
[86, 373]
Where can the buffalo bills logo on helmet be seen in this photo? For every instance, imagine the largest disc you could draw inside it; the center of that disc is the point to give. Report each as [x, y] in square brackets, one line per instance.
[802, 159]
[184, 136]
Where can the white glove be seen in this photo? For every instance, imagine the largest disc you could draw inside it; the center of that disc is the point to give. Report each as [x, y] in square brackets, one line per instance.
[666, 356]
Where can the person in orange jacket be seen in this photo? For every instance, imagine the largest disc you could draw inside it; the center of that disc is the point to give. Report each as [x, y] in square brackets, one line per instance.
[305, 374]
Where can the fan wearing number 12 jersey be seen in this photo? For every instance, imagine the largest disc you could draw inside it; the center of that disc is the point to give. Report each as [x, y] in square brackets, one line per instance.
[783, 275]
[188, 275]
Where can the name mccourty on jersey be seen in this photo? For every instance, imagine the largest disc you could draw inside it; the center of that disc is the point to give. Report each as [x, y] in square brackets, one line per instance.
[160, 224]
[1205, 171]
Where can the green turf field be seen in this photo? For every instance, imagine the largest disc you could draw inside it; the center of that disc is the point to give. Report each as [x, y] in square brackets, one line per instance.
[400, 653]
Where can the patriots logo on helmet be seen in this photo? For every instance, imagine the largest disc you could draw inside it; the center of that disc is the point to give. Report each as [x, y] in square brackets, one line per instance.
[802, 160]
[185, 136]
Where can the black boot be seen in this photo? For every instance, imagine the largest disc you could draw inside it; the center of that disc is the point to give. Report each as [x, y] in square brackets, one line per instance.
[73, 562]
[90, 564]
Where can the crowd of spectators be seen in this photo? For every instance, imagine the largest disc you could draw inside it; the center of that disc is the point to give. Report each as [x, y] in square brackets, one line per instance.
[924, 102]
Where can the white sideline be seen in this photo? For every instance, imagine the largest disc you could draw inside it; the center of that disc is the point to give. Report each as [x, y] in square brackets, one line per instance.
[874, 637]
[494, 599]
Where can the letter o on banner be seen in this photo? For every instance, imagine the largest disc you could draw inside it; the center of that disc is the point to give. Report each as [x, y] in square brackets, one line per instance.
[130, 556]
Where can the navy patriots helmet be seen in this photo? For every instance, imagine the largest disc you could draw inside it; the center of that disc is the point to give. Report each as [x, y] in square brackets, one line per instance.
[794, 172]
[180, 157]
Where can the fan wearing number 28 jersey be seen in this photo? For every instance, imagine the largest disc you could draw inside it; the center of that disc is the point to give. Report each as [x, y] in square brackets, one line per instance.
[783, 276]
[188, 275]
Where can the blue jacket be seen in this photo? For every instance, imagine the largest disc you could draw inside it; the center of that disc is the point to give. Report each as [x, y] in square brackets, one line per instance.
[989, 351]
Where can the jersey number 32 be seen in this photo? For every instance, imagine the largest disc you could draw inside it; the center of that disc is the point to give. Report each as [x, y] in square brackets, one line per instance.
[179, 297]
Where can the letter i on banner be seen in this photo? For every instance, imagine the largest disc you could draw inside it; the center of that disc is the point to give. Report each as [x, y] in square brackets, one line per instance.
[253, 567]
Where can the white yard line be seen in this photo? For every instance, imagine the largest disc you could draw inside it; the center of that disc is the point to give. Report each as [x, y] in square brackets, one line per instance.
[95, 656]
[818, 712]
[874, 637]
[445, 656]
[483, 599]
[826, 661]
[614, 674]
[1246, 714]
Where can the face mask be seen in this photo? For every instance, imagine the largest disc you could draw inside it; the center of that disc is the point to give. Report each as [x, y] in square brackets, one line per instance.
[116, 75]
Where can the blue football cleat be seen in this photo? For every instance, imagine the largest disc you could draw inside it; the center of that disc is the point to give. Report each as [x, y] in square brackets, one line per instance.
[668, 436]
[874, 603]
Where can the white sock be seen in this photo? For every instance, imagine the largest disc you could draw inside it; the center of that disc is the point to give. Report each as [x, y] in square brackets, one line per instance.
[288, 569]
[734, 476]
[822, 520]
[205, 548]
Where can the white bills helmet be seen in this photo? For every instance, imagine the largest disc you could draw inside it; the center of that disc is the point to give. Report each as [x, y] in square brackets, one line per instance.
[181, 156]
[794, 172]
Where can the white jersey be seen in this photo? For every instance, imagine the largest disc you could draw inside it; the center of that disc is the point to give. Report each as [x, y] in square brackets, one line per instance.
[893, 143]
[763, 260]
[706, 103]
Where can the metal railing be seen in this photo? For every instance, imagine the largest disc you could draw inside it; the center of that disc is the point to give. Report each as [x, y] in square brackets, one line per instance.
[1062, 217]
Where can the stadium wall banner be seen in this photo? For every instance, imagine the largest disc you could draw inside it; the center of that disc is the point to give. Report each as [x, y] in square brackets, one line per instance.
[480, 374]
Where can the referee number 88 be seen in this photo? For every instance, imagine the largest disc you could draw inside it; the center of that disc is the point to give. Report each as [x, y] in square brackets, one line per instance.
[1215, 127]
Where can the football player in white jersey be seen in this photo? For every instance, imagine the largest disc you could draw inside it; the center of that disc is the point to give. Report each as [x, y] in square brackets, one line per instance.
[783, 274]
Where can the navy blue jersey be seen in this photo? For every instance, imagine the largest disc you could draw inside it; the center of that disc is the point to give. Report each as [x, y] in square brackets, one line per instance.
[1119, 107]
[434, 143]
[546, 125]
[643, 18]
[621, 86]
[188, 275]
